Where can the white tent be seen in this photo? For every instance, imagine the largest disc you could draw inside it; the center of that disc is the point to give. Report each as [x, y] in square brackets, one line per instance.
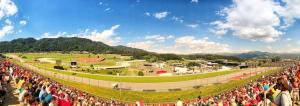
[180, 70]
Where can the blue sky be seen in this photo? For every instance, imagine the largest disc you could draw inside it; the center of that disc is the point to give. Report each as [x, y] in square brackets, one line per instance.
[166, 26]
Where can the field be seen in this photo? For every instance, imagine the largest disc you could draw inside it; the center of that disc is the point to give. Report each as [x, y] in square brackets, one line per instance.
[30, 58]
[154, 97]
[150, 97]
[84, 61]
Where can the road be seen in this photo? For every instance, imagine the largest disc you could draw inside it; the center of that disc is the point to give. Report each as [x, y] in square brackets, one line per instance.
[159, 86]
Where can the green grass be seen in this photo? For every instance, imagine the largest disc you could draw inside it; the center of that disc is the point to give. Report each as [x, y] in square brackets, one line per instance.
[30, 57]
[110, 59]
[142, 79]
[155, 97]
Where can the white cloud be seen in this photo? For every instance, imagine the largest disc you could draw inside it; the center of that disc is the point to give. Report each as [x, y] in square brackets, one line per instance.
[257, 19]
[159, 38]
[23, 22]
[161, 15]
[251, 19]
[107, 36]
[219, 32]
[289, 49]
[269, 48]
[7, 21]
[194, 1]
[181, 45]
[147, 14]
[290, 11]
[145, 45]
[7, 8]
[107, 9]
[177, 19]
[151, 43]
[100, 3]
[288, 39]
[190, 44]
[48, 35]
[6, 29]
[192, 25]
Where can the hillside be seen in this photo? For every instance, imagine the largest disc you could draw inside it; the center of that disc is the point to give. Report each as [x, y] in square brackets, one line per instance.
[263, 55]
[256, 54]
[64, 44]
[53, 44]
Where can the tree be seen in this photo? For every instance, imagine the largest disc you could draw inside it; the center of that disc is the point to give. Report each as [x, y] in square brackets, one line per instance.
[192, 64]
[140, 73]
[276, 59]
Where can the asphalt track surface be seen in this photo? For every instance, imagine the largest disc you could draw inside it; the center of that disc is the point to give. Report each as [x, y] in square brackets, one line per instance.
[157, 86]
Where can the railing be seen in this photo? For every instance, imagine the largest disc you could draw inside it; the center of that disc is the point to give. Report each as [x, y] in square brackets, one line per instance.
[126, 85]
[99, 83]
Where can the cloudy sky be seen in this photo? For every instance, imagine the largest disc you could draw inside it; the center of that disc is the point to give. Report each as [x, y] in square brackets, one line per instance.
[166, 26]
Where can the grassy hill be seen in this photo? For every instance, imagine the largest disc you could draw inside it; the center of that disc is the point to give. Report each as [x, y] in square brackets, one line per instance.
[69, 44]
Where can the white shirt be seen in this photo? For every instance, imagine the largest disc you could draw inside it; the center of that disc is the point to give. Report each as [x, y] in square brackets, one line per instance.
[283, 99]
[179, 103]
[261, 103]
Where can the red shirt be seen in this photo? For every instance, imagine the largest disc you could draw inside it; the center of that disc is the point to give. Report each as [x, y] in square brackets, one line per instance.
[65, 103]
[298, 74]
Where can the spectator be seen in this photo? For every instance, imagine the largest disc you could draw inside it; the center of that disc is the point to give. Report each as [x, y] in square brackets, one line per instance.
[267, 102]
[34, 89]
[284, 97]
[179, 102]
[295, 92]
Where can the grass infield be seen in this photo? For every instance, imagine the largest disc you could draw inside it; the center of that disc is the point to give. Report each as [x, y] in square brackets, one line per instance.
[158, 97]
[141, 79]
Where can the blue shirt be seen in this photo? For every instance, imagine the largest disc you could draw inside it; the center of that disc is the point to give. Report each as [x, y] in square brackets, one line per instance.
[48, 98]
[41, 94]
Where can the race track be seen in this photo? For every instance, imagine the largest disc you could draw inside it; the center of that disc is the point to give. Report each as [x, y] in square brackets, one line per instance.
[160, 86]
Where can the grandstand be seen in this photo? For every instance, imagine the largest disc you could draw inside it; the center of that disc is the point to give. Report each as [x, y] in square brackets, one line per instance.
[34, 89]
[149, 53]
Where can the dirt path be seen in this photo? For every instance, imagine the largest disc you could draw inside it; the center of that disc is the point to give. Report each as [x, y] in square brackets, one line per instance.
[15, 57]
[47, 60]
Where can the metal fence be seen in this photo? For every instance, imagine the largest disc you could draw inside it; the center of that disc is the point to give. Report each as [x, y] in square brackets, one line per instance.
[101, 83]
[150, 87]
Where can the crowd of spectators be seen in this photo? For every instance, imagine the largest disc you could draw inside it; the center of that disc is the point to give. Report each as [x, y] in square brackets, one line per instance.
[281, 89]
[36, 90]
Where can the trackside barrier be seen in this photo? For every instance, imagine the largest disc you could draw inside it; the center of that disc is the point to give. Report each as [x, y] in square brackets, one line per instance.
[93, 82]
[108, 84]
[128, 103]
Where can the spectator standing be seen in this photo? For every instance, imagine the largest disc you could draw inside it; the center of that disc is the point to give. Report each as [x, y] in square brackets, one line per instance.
[179, 102]
[284, 97]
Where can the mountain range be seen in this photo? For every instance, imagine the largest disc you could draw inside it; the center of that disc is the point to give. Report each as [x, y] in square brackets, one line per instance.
[64, 44]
